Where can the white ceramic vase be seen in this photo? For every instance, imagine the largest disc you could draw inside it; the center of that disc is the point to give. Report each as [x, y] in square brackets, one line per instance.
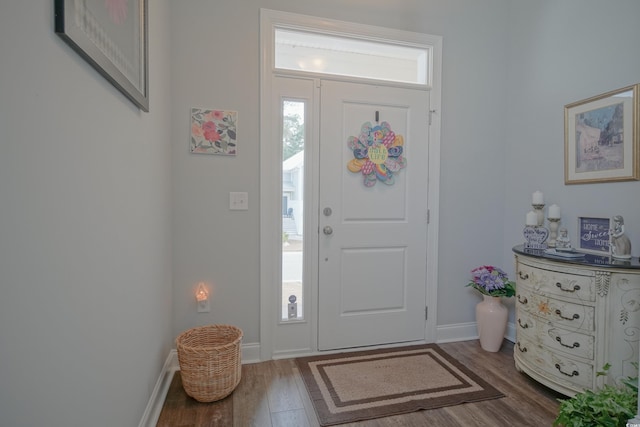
[491, 317]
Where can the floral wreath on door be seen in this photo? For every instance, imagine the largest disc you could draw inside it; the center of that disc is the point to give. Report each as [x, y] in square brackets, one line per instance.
[377, 153]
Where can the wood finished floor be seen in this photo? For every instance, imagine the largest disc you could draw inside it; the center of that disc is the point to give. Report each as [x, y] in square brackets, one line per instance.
[272, 394]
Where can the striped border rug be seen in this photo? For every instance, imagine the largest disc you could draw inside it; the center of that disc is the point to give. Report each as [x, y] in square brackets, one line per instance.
[348, 387]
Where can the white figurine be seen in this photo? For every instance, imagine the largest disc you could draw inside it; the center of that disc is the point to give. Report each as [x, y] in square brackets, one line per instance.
[620, 244]
[563, 241]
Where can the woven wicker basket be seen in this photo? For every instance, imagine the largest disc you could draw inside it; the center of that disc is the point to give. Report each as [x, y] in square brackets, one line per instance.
[210, 362]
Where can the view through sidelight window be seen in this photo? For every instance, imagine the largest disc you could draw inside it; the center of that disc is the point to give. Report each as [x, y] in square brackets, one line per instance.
[293, 133]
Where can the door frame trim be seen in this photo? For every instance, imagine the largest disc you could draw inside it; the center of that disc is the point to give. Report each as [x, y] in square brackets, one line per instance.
[269, 178]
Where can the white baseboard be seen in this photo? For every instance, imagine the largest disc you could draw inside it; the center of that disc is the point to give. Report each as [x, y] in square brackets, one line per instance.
[511, 332]
[250, 354]
[456, 332]
[154, 407]
[466, 332]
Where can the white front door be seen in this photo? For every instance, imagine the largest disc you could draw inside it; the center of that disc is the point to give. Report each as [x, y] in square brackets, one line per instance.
[373, 215]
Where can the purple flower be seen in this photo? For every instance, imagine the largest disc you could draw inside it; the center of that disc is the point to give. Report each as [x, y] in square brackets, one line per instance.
[490, 280]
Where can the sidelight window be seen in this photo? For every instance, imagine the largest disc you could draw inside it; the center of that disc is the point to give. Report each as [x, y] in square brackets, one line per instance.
[293, 139]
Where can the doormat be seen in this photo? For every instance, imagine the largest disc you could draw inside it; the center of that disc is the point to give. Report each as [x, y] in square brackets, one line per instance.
[349, 387]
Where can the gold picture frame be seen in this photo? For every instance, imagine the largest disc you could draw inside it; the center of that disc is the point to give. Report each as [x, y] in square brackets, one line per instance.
[602, 138]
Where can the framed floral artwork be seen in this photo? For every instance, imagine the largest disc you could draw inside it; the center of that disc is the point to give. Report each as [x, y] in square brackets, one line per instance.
[602, 138]
[111, 35]
[213, 131]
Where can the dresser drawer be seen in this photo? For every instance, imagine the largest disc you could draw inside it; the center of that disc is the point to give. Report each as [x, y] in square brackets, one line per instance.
[561, 282]
[574, 344]
[570, 316]
[557, 367]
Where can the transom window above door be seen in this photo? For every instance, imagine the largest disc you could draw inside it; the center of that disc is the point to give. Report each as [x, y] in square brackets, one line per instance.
[307, 51]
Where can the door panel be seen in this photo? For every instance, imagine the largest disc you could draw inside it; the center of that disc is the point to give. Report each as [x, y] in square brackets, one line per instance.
[372, 245]
[363, 266]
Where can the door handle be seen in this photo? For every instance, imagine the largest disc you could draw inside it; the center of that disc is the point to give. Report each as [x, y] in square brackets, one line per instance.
[327, 230]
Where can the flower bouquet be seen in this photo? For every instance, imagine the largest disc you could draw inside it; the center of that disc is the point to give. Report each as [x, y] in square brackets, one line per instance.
[492, 281]
[491, 314]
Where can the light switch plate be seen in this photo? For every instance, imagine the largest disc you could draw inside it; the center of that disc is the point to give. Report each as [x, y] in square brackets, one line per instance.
[238, 201]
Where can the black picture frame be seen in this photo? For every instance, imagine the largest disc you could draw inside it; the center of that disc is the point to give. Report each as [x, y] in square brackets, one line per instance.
[112, 36]
[593, 235]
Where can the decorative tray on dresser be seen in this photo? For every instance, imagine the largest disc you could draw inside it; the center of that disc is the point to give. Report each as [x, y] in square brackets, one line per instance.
[573, 316]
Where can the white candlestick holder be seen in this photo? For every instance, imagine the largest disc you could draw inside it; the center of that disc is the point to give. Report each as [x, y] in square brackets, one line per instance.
[554, 223]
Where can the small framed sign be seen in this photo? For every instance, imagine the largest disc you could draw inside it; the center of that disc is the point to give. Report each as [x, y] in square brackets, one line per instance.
[593, 235]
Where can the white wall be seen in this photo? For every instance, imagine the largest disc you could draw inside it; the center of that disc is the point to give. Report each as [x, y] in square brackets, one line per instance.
[215, 63]
[561, 52]
[85, 217]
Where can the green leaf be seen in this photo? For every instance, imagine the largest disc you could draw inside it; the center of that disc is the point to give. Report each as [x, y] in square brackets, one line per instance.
[609, 406]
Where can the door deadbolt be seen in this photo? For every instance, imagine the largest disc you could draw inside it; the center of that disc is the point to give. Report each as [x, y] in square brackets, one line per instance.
[327, 211]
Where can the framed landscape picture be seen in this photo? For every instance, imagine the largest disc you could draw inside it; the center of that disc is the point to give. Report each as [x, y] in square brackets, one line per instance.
[602, 138]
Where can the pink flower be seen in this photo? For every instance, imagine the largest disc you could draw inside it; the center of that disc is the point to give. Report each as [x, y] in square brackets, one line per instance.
[214, 115]
[210, 131]
[196, 130]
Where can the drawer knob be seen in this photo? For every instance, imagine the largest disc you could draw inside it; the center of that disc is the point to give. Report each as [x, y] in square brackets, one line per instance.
[572, 374]
[522, 300]
[575, 344]
[523, 276]
[522, 349]
[574, 317]
[523, 326]
[575, 287]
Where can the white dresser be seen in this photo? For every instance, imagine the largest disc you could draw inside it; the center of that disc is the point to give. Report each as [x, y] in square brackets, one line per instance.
[574, 316]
